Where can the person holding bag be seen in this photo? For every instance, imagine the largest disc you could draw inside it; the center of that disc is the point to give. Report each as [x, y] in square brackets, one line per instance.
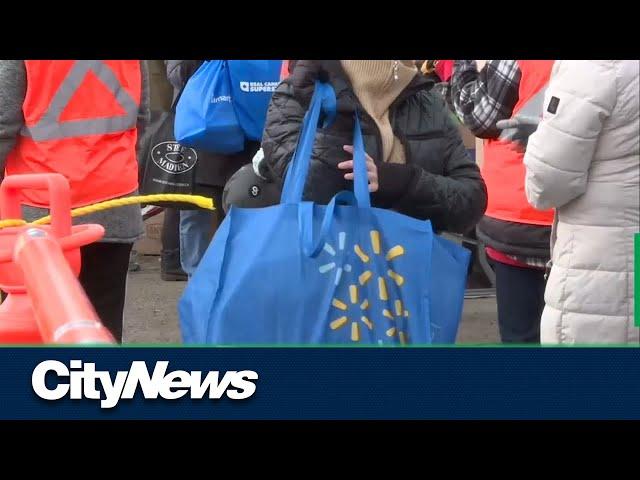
[303, 272]
[197, 226]
[417, 160]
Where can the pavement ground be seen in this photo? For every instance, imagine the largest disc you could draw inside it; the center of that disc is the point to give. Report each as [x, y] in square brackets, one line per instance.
[151, 310]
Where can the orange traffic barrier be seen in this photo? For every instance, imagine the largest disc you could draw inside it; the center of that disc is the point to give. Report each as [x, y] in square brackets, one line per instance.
[39, 267]
[61, 308]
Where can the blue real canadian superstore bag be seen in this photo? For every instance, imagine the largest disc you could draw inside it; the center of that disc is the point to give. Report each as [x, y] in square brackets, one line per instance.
[252, 84]
[343, 273]
[205, 115]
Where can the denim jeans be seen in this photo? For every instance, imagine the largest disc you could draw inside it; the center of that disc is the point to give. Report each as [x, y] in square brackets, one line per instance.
[195, 235]
[520, 299]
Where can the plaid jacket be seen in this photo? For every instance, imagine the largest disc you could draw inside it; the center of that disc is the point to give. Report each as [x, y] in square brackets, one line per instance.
[483, 98]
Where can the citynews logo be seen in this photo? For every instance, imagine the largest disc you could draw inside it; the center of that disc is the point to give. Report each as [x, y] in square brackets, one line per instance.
[82, 381]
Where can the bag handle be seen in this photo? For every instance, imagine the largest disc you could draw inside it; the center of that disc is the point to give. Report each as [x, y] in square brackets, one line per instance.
[296, 177]
[360, 197]
[360, 177]
[323, 101]
[310, 246]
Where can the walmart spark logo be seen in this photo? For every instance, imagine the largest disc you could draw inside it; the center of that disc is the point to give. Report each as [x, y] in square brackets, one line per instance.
[393, 313]
[327, 267]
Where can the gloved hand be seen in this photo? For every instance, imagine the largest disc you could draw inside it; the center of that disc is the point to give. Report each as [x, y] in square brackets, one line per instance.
[519, 129]
[245, 189]
[304, 76]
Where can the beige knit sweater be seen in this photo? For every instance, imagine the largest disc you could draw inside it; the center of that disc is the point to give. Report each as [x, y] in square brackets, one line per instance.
[377, 83]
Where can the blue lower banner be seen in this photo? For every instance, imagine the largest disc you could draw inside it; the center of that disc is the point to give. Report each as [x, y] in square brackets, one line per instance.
[319, 383]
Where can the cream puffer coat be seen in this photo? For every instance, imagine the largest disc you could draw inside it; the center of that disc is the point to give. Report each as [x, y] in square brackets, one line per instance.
[584, 161]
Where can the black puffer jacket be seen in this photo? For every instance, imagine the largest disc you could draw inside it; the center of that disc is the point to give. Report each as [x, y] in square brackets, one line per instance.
[439, 181]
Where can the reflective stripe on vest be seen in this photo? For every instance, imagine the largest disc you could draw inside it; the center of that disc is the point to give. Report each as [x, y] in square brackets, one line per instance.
[50, 128]
[70, 106]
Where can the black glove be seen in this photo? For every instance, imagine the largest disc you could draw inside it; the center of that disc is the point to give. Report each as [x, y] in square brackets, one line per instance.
[304, 76]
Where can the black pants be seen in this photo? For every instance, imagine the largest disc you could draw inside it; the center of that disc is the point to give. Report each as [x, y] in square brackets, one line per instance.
[170, 236]
[520, 298]
[219, 212]
[104, 278]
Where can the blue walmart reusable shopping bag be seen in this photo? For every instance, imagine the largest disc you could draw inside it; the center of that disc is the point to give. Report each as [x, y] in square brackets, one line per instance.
[449, 267]
[304, 273]
[205, 115]
[252, 84]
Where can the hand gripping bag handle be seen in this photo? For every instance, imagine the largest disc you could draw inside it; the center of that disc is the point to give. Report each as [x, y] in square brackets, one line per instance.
[323, 101]
[359, 198]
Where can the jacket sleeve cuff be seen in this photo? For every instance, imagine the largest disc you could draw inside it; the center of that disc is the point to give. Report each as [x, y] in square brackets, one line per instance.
[394, 182]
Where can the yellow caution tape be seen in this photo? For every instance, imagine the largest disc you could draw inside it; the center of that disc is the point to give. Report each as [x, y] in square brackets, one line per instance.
[198, 200]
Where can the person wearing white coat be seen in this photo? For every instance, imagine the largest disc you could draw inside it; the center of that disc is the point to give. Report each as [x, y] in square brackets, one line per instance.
[584, 161]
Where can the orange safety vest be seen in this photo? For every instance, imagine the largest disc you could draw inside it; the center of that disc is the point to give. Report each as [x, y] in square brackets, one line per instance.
[503, 168]
[80, 121]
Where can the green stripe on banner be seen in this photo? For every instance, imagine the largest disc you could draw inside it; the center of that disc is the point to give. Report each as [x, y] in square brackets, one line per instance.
[636, 280]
